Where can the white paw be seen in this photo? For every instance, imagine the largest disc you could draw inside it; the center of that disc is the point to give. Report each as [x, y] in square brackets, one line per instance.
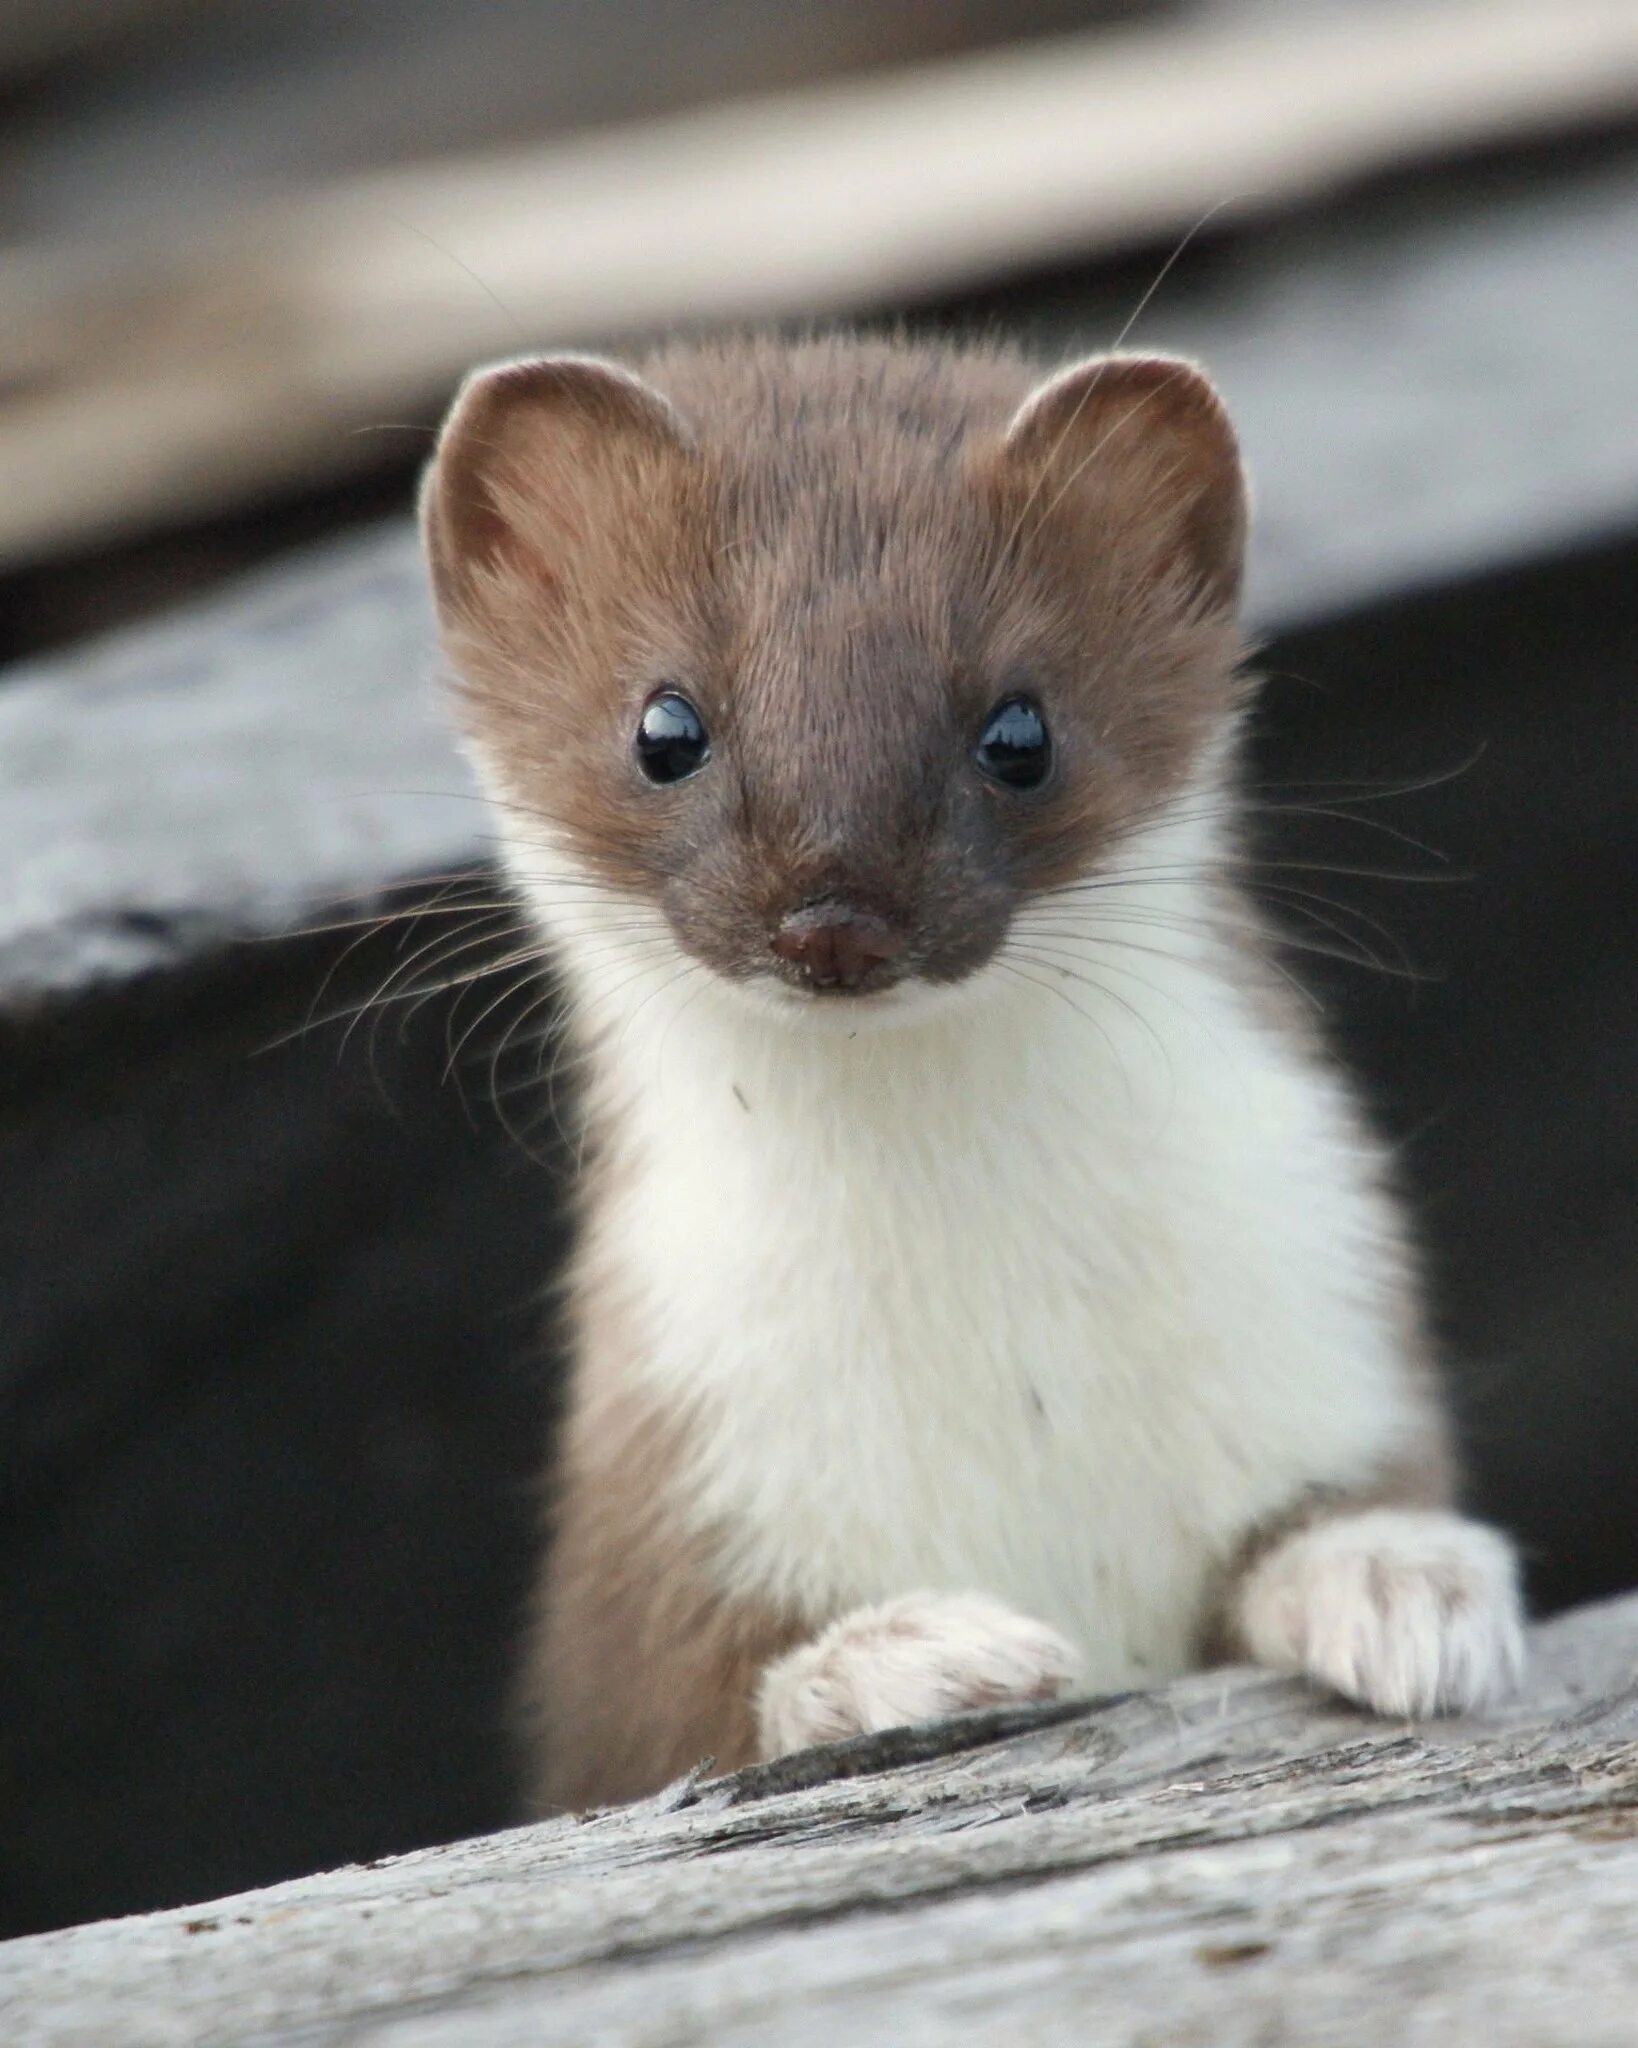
[912, 1659]
[1405, 1611]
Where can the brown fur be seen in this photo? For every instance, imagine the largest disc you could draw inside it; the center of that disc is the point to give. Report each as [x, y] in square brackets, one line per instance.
[1425, 1477]
[635, 1670]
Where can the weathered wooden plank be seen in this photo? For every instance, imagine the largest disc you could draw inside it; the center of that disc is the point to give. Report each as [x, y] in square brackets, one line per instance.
[1225, 1861]
[153, 382]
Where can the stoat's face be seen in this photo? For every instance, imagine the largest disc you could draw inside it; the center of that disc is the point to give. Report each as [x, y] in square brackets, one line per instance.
[833, 657]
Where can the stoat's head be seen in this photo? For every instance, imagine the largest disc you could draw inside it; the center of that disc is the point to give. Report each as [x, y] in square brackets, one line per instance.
[819, 663]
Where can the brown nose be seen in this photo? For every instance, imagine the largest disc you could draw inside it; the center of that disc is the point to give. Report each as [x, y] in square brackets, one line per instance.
[832, 946]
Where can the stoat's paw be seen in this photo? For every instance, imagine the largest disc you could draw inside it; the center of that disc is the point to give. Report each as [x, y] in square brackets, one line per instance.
[912, 1659]
[1409, 1612]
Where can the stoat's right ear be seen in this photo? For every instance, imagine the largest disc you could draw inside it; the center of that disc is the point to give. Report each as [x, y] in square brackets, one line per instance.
[537, 461]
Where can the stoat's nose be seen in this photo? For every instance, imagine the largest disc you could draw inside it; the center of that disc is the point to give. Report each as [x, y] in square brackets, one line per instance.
[832, 946]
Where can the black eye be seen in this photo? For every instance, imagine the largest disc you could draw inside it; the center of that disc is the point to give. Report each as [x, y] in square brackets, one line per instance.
[671, 738]
[1015, 748]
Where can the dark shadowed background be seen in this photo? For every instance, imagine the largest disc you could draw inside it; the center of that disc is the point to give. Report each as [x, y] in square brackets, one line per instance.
[275, 1369]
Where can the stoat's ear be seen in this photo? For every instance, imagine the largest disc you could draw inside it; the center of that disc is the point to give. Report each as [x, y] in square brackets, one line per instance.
[536, 460]
[1142, 446]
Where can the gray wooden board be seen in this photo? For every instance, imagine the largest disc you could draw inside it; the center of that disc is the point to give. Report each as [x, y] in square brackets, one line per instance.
[1448, 389]
[1225, 1861]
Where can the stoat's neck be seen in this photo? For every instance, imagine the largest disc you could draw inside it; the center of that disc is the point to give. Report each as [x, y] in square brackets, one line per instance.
[1036, 1038]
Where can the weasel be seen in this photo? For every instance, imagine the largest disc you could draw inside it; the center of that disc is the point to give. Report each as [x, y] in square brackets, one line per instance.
[985, 1283]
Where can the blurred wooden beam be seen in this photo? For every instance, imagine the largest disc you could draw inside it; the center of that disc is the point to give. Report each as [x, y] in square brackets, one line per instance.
[35, 33]
[154, 384]
[224, 103]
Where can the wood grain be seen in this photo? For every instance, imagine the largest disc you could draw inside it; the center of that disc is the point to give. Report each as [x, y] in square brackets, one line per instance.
[1227, 1861]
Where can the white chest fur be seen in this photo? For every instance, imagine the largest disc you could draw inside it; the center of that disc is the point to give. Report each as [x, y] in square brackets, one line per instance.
[1044, 1295]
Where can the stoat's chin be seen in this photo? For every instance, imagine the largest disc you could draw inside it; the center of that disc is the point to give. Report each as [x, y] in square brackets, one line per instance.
[910, 1001]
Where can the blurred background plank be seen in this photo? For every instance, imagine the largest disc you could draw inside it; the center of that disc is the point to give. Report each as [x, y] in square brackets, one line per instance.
[155, 380]
[36, 35]
[151, 111]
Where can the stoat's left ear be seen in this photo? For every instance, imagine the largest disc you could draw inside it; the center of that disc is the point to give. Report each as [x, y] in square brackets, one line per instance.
[1143, 445]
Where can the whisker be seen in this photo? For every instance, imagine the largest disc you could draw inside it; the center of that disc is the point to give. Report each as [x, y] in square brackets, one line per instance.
[516, 1137]
[1011, 966]
[454, 1047]
[1286, 896]
[672, 1021]
[354, 1011]
[1273, 937]
[488, 290]
[1266, 942]
[312, 1021]
[437, 952]
[1049, 955]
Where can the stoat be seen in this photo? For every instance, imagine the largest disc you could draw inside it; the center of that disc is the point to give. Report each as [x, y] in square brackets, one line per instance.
[985, 1284]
